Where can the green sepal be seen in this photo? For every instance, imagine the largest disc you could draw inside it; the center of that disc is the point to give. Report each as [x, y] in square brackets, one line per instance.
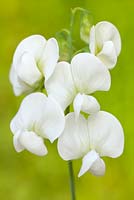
[86, 22]
[63, 37]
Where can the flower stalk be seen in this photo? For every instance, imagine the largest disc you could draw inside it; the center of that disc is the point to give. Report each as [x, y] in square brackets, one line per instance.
[70, 163]
[70, 170]
[71, 180]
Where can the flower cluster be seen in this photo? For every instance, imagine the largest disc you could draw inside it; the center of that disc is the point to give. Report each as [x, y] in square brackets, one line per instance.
[36, 66]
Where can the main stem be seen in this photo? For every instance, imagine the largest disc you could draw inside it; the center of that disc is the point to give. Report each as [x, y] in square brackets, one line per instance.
[70, 163]
[71, 180]
[70, 169]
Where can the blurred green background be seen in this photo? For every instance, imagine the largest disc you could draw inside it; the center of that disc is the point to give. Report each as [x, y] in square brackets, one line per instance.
[27, 177]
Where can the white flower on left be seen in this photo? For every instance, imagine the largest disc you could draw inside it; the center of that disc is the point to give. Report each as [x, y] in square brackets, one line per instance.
[39, 117]
[33, 62]
[100, 135]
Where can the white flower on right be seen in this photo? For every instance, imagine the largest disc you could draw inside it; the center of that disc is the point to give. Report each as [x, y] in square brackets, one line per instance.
[105, 43]
[34, 61]
[100, 135]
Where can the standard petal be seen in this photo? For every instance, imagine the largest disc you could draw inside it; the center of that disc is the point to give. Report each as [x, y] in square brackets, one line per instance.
[85, 103]
[33, 44]
[27, 70]
[49, 58]
[106, 134]
[33, 143]
[89, 73]
[74, 141]
[93, 163]
[108, 55]
[53, 120]
[61, 86]
[106, 31]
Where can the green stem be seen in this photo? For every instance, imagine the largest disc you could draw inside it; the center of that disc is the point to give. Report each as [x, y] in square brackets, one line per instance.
[71, 35]
[71, 180]
[70, 163]
[70, 168]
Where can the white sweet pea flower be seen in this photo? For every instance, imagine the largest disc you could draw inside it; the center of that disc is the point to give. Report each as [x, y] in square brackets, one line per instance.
[38, 118]
[85, 75]
[105, 43]
[100, 135]
[34, 59]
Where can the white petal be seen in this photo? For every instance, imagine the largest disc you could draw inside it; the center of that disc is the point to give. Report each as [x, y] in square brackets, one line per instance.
[87, 162]
[93, 163]
[49, 58]
[106, 134]
[108, 54]
[92, 41]
[53, 120]
[16, 124]
[24, 72]
[90, 104]
[27, 69]
[60, 85]
[17, 145]
[74, 141]
[33, 143]
[40, 114]
[77, 104]
[32, 110]
[85, 103]
[98, 167]
[33, 44]
[106, 31]
[89, 73]
[30, 113]
[19, 86]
